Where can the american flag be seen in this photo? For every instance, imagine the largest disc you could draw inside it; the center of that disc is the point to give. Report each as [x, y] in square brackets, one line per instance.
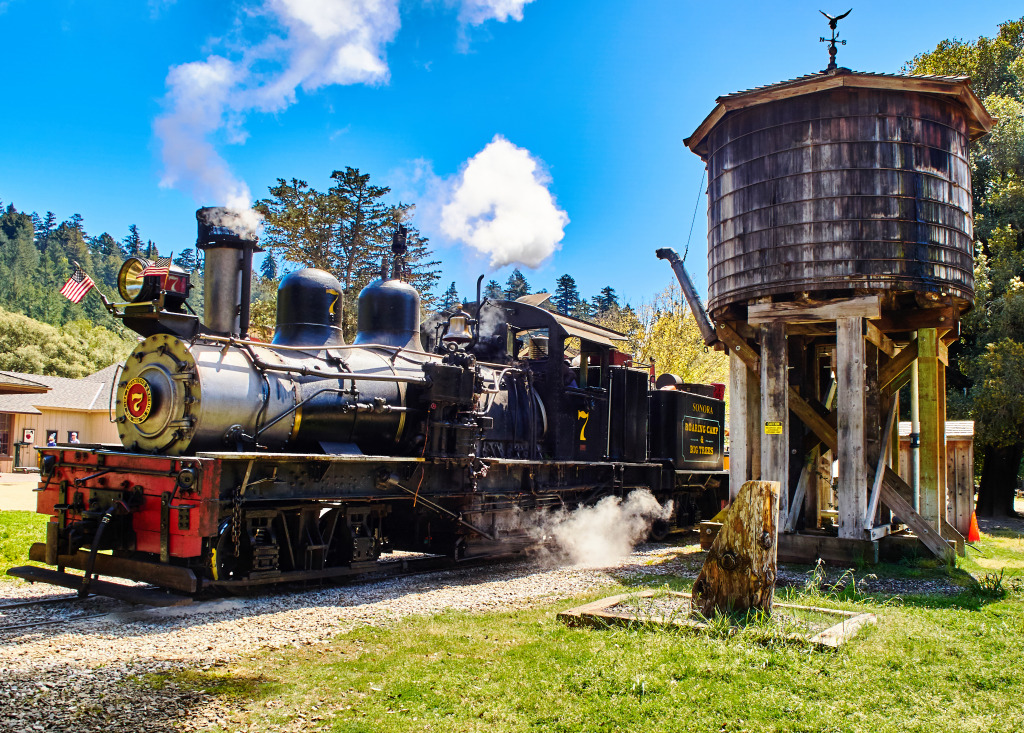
[77, 285]
[161, 267]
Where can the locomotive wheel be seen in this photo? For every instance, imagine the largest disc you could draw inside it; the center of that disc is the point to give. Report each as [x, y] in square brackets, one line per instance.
[659, 530]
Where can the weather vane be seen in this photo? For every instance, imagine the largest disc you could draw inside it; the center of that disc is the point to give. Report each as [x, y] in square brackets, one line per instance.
[832, 23]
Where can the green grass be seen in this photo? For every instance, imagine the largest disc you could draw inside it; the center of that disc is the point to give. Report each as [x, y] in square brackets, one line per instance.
[950, 663]
[18, 530]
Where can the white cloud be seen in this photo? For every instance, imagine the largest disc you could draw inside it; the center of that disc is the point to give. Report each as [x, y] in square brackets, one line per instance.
[312, 44]
[500, 206]
[476, 12]
[323, 42]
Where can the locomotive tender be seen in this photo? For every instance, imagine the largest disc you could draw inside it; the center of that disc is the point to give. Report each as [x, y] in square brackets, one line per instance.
[246, 463]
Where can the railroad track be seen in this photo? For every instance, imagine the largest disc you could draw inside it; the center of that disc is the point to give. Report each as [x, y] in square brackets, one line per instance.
[409, 567]
[68, 601]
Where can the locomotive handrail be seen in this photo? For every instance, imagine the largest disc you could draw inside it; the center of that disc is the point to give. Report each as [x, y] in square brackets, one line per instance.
[311, 347]
[306, 372]
[113, 390]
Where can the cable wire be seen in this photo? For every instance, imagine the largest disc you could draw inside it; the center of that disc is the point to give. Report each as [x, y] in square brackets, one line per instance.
[696, 204]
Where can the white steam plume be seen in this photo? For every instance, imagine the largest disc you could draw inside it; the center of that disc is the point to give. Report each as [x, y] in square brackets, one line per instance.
[476, 12]
[602, 534]
[323, 42]
[500, 205]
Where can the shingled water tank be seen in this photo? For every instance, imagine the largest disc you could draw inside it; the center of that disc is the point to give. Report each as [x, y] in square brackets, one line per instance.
[841, 182]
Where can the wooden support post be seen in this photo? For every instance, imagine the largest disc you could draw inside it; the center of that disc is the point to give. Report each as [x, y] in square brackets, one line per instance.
[852, 451]
[894, 489]
[874, 448]
[808, 484]
[880, 466]
[744, 424]
[775, 410]
[893, 462]
[888, 375]
[931, 388]
[949, 515]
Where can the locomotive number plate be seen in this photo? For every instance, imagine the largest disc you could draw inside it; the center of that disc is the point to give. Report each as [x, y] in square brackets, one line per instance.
[138, 400]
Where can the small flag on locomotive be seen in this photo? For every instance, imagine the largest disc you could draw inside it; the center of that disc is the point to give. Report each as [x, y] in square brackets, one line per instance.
[77, 285]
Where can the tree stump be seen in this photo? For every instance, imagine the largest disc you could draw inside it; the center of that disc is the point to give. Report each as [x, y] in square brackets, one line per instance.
[739, 572]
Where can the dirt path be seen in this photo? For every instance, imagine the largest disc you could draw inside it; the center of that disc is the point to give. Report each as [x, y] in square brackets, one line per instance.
[16, 491]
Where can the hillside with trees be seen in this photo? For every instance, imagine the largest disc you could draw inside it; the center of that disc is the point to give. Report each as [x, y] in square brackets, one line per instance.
[41, 331]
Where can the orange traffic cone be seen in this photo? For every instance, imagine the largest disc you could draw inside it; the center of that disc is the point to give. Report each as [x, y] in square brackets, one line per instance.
[973, 534]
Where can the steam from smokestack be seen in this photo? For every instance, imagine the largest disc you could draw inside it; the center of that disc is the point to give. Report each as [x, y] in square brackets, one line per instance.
[500, 205]
[602, 534]
[321, 43]
[316, 43]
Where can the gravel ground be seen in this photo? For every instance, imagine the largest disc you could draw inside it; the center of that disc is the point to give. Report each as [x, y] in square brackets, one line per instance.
[85, 675]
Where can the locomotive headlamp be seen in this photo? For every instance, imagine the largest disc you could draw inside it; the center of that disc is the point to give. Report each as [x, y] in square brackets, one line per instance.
[140, 280]
[130, 282]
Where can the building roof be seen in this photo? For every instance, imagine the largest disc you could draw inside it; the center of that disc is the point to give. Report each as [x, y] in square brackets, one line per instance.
[955, 429]
[979, 121]
[12, 383]
[91, 392]
[574, 326]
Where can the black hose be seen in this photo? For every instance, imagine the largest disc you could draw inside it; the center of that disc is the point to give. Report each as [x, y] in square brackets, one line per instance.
[90, 563]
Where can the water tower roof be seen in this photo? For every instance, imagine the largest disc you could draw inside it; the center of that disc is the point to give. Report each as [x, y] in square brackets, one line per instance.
[978, 119]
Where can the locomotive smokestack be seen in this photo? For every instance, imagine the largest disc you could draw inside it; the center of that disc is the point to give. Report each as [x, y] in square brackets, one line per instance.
[228, 243]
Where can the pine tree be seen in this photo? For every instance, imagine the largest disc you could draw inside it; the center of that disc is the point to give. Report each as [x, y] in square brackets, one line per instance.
[44, 230]
[567, 295]
[346, 231]
[104, 245]
[132, 244]
[268, 268]
[517, 286]
[76, 223]
[493, 291]
[187, 259]
[606, 301]
[450, 299]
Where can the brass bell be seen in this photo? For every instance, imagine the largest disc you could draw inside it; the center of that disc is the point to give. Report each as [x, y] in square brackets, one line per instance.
[458, 329]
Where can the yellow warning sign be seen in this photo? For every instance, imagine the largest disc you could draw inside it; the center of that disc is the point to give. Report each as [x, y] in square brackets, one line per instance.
[773, 428]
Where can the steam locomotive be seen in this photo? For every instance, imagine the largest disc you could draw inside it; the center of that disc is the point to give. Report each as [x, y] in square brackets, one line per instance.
[244, 463]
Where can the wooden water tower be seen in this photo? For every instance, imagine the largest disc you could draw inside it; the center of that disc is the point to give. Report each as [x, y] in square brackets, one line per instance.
[840, 242]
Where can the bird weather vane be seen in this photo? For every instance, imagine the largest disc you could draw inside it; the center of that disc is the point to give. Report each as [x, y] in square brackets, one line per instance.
[832, 23]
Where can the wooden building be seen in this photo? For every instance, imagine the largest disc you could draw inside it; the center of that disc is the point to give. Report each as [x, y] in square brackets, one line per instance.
[56, 406]
[840, 253]
[960, 487]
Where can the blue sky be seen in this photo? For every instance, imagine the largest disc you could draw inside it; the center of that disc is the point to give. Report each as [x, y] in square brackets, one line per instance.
[590, 100]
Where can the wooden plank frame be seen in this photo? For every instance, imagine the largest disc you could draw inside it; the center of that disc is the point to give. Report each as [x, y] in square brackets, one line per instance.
[867, 306]
[598, 614]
